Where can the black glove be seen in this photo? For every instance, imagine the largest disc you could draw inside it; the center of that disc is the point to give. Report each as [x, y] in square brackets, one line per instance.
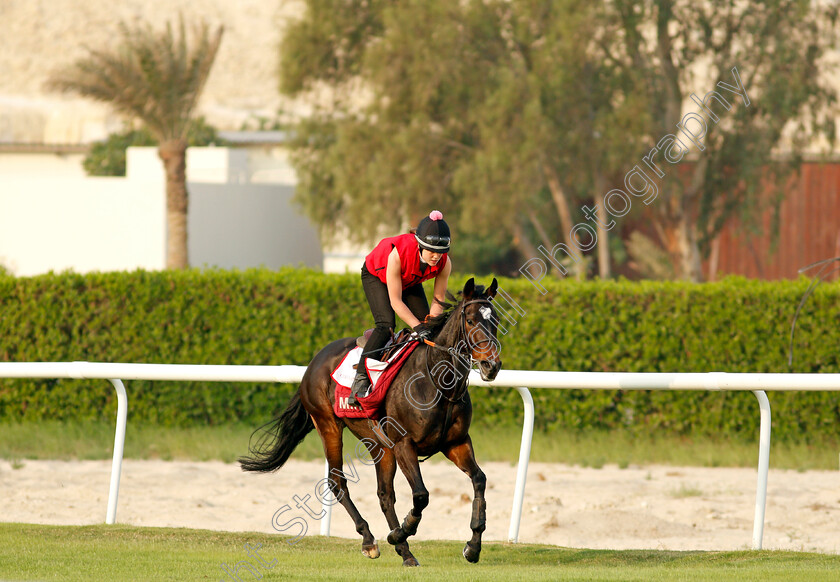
[421, 332]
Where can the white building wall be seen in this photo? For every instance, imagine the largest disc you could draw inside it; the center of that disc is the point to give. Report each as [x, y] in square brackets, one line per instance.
[346, 257]
[25, 165]
[54, 219]
[52, 223]
[251, 225]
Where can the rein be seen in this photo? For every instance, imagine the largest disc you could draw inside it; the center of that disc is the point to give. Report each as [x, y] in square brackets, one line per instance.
[455, 351]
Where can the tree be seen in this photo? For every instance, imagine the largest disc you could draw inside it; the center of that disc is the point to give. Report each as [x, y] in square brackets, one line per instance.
[778, 48]
[557, 126]
[158, 79]
[483, 108]
[520, 116]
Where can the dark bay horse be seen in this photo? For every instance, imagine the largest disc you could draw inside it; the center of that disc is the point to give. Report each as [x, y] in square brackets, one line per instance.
[427, 409]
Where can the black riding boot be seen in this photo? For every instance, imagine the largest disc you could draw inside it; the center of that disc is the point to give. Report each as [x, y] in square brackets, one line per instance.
[361, 383]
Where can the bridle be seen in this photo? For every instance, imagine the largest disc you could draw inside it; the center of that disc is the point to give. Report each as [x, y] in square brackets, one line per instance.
[455, 352]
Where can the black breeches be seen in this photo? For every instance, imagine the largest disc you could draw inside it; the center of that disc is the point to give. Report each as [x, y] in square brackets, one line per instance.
[383, 314]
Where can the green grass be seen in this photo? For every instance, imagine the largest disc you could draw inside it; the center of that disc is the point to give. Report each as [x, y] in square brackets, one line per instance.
[56, 440]
[116, 553]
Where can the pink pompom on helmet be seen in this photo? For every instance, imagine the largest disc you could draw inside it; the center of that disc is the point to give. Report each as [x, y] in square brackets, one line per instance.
[433, 234]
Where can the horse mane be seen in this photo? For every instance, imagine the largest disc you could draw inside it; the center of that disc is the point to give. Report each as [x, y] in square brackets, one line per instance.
[436, 323]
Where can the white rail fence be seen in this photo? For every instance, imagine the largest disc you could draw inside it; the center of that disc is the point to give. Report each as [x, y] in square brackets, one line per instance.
[521, 380]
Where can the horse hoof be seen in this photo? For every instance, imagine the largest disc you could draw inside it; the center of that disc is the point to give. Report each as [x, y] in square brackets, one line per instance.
[412, 561]
[397, 536]
[471, 554]
[371, 552]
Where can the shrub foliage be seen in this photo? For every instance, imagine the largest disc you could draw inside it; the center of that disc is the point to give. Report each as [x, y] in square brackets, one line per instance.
[261, 317]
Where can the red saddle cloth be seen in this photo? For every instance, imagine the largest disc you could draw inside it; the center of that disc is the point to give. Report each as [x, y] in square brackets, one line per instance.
[370, 405]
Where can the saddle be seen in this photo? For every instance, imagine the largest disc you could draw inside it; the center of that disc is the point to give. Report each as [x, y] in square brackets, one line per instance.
[390, 345]
[381, 373]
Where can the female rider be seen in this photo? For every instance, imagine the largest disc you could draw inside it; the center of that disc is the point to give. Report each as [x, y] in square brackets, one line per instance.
[392, 277]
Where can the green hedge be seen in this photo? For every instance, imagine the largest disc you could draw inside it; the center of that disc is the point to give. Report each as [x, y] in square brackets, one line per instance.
[284, 317]
[192, 317]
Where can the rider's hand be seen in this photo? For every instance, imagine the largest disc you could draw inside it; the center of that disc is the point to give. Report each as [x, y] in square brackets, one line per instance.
[421, 332]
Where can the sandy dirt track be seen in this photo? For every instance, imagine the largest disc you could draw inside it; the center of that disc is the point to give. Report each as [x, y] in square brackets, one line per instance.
[654, 507]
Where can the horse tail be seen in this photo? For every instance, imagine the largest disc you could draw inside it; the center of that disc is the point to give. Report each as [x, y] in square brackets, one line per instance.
[278, 438]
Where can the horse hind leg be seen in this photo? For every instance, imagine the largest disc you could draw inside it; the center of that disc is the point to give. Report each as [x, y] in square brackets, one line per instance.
[331, 437]
[464, 458]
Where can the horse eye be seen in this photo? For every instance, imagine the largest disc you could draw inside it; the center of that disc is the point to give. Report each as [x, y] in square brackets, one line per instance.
[471, 321]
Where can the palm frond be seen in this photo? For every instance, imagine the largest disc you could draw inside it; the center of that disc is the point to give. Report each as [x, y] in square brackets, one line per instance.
[157, 77]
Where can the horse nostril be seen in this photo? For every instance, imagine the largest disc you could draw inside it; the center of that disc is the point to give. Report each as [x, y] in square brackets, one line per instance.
[490, 369]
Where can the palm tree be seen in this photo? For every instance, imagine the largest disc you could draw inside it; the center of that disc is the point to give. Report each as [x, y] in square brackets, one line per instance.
[156, 78]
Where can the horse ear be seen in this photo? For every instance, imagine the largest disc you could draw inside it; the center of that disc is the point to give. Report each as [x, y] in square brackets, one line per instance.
[469, 289]
[491, 291]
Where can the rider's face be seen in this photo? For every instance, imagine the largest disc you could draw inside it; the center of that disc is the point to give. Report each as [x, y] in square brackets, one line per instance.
[430, 257]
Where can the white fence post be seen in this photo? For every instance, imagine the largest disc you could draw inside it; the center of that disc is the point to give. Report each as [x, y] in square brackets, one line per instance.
[119, 447]
[763, 468]
[325, 521]
[522, 467]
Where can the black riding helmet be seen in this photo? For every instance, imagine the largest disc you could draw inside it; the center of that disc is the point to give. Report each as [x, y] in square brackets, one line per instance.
[432, 233]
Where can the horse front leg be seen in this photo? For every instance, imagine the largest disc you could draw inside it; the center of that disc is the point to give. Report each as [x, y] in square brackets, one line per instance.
[464, 458]
[386, 468]
[406, 455]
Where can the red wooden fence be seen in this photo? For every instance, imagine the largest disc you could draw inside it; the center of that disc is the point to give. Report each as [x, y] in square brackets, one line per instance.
[809, 231]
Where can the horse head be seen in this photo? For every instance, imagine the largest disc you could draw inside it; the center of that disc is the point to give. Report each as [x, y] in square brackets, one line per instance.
[479, 326]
